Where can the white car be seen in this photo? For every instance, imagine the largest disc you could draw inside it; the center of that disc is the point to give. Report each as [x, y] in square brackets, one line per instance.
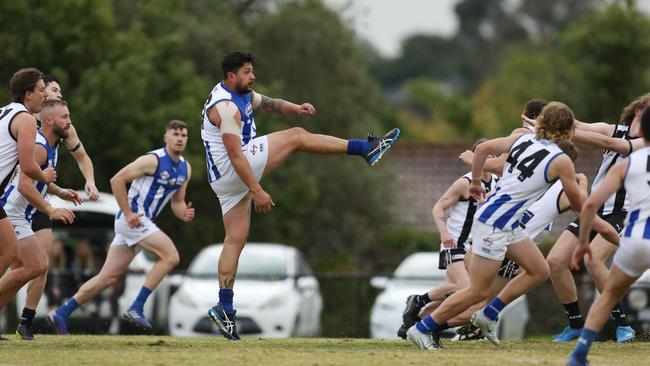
[417, 274]
[276, 294]
[94, 223]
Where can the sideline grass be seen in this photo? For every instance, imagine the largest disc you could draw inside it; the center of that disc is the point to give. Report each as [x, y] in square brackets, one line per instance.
[163, 350]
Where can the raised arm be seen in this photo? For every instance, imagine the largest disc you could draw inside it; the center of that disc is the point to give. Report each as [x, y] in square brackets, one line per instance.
[228, 119]
[492, 165]
[496, 146]
[184, 211]
[457, 191]
[76, 148]
[145, 164]
[24, 128]
[280, 106]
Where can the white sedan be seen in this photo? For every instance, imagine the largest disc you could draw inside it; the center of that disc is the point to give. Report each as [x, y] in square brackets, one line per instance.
[417, 274]
[276, 294]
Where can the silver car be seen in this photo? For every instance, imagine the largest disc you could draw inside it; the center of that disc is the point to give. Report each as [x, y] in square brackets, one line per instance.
[276, 294]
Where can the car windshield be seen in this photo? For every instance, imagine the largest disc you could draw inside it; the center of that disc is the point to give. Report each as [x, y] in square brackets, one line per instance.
[252, 265]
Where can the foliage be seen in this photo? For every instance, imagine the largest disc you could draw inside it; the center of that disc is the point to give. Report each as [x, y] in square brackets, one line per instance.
[127, 68]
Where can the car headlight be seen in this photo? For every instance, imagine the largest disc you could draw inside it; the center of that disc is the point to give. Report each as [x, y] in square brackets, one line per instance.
[637, 299]
[184, 299]
[274, 302]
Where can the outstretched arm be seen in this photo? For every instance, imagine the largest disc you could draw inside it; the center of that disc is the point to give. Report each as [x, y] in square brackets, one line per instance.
[280, 106]
[76, 148]
[597, 127]
[619, 145]
[184, 211]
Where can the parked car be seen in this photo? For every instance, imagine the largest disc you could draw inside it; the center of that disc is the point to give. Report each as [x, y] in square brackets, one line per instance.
[417, 274]
[94, 225]
[276, 294]
[637, 304]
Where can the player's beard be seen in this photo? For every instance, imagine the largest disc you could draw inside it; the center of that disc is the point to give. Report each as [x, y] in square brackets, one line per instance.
[60, 132]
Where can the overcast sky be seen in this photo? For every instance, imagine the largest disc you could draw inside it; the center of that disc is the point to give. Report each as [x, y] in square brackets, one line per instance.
[385, 23]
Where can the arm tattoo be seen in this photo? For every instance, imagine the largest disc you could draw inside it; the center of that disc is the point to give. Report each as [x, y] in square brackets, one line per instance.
[271, 105]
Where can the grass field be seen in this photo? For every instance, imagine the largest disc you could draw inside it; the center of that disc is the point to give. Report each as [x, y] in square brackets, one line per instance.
[162, 350]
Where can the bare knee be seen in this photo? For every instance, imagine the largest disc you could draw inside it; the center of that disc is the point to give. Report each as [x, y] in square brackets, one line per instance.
[172, 259]
[556, 264]
[296, 135]
[540, 273]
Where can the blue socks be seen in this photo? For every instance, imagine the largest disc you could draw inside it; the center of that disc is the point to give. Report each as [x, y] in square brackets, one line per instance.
[493, 309]
[427, 325]
[225, 299]
[358, 147]
[584, 344]
[67, 308]
[138, 304]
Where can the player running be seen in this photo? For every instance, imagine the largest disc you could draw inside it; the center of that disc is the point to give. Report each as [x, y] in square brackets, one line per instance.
[156, 178]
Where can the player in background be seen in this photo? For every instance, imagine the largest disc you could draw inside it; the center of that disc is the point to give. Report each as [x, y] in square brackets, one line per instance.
[42, 224]
[237, 160]
[156, 178]
[23, 196]
[633, 255]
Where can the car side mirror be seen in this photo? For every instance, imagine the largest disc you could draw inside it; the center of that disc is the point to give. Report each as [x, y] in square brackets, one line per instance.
[379, 282]
[306, 283]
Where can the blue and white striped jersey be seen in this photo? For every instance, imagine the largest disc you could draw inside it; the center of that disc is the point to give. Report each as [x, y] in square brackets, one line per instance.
[14, 204]
[637, 184]
[216, 155]
[524, 180]
[537, 220]
[150, 193]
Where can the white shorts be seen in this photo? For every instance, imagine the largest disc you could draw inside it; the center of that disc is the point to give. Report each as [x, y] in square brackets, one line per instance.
[492, 243]
[229, 187]
[22, 228]
[125, 235]
[633, 256]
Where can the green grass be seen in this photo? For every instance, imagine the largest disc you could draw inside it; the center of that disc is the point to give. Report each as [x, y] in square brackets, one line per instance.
[163, 350]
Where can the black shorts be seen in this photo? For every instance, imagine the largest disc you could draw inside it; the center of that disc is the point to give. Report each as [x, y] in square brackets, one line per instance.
[449, 256]
[40, 221]
[509, 269]
[616, 219]
[3, 214]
